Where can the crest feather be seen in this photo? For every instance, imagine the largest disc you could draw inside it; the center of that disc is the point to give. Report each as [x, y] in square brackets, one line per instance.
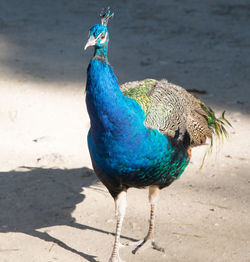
[106, 15]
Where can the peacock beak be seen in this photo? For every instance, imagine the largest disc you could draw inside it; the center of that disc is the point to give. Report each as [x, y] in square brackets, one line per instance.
[91, 42]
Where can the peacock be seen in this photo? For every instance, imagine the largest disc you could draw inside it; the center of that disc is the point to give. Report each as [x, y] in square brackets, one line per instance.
[141, 133]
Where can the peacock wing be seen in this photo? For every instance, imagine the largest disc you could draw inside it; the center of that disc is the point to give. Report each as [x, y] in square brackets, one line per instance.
[169, 108]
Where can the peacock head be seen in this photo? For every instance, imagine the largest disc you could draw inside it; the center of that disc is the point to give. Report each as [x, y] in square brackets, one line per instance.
[98, 34]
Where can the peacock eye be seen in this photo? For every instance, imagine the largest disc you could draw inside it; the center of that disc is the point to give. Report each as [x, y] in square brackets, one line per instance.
[102, 36]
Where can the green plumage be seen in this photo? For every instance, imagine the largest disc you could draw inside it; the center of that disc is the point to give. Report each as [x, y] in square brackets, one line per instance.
[216, 125]
[141, 94]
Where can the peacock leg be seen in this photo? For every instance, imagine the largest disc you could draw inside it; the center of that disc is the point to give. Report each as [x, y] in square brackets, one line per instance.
[120, 206]
[148, 241]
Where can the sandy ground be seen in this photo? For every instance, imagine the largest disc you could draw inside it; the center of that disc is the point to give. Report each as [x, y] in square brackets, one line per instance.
[52, 206]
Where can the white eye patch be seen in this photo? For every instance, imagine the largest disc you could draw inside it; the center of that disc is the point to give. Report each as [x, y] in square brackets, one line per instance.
[103, 37]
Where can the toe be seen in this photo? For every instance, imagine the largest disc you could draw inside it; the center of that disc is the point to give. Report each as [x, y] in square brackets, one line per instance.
[135, 243]
[142, 246]
[158, 248]
[145, 244]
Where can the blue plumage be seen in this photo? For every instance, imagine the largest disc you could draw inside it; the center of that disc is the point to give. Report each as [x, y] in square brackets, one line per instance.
[119, 143]
[124, 152]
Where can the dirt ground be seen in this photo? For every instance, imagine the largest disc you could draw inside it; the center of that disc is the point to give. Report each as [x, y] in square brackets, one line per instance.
[52, 206]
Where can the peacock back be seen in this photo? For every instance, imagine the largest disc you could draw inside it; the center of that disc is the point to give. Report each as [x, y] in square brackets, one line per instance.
[173, 111]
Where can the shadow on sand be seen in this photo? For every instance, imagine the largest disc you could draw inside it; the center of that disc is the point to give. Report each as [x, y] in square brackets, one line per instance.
[38, 198]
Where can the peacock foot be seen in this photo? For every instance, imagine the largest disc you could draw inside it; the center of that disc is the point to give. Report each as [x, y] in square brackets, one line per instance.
[145, 244]
[116, 259]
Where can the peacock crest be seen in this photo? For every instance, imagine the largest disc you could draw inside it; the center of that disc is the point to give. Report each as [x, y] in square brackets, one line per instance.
[106, 15]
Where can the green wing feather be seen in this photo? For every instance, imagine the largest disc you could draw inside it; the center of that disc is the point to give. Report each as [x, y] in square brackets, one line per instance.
[141, 94]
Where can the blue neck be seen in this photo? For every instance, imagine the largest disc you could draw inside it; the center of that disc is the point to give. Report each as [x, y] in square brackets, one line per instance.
[109, 110]
[101, 52]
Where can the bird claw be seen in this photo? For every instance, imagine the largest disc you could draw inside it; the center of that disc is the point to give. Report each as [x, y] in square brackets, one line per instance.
[145, 244]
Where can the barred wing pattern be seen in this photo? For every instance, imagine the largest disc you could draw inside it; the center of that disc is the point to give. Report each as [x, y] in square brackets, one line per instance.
[170, 108]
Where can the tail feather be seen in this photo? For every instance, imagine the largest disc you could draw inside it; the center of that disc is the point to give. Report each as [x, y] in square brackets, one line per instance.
[217, 127]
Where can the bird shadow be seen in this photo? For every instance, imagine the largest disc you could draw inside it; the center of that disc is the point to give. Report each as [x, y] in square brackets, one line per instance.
[36, 198]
